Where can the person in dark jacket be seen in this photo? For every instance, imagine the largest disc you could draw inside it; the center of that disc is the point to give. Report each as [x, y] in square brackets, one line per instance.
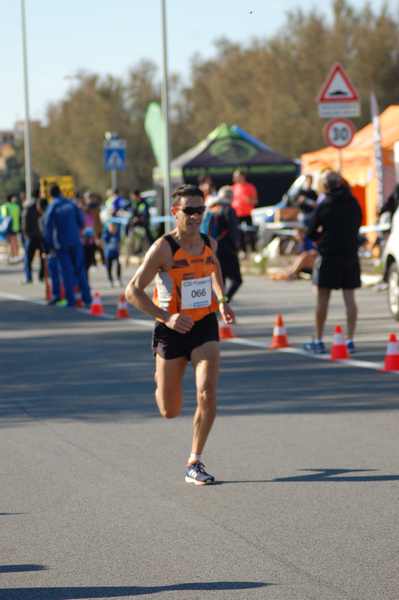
[63, 224]
[221, 223]
[33, 238]
[335, 227]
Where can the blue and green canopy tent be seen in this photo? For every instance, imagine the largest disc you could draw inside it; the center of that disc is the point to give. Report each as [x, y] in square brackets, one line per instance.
[227, 148]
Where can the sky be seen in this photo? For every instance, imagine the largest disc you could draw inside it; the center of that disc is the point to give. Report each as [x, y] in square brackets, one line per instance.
[103, 36]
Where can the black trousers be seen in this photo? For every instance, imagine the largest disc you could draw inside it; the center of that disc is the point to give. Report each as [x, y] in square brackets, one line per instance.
[247, 237]
[231, 271]
[33, 245]
[109, 261]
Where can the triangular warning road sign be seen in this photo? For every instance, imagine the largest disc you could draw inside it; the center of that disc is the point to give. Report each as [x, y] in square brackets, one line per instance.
[338, 87]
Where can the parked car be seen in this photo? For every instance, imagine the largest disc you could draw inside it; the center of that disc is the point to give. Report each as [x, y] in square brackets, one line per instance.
[265, 215]
[390, 260]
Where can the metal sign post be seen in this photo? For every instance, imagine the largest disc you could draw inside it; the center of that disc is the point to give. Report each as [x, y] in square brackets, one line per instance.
[27, 137]
[114, 180]
[165, 114]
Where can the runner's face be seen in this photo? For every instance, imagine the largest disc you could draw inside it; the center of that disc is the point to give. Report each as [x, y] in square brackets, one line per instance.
[188, 223]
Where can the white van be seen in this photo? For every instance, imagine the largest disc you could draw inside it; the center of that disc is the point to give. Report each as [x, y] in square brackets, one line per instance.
[390, 260]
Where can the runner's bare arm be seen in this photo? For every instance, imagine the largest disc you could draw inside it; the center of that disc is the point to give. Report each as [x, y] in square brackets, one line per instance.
[135, 289]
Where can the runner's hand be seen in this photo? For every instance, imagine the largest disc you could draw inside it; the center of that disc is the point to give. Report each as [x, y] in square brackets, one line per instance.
[180, 323]
[227, 313]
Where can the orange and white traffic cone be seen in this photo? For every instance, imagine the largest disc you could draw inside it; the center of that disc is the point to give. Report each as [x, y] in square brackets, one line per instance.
[78, 298]
[339, 351]
[122, 310]
[96, 308]
[225, 331]
[280, 337]
[391, 362]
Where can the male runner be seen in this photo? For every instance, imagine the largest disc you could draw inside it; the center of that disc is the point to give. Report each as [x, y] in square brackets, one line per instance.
[188, 292]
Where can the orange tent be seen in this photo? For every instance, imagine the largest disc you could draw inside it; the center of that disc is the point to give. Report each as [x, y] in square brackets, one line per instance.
[358, 163]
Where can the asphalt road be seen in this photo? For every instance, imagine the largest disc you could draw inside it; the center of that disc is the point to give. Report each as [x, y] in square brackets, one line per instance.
[93, 502]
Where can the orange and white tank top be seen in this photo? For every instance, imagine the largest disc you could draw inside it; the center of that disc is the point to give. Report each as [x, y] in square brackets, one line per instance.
[187, 286]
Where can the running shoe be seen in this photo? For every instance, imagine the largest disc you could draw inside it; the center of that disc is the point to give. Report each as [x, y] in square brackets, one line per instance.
[350, 344]
[53, 301]
[315, 347]
[195, 473]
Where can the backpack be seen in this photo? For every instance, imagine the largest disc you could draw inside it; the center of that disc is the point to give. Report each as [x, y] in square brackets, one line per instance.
[215, 224]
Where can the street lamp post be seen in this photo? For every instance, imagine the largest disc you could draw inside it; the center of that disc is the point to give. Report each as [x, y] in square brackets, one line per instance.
[27, 136]
[165, 113]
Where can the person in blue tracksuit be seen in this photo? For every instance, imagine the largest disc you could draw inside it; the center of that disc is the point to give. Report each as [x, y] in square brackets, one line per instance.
[63, 223]
[112, 241]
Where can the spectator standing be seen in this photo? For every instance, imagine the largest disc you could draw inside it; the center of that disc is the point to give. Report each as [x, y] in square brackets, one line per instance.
[220, 222]
[207, 187]
[53, 265]
[119, 203]
[11, 208]
[335, 225]
[112, 241]
[33, 238]
[245, 198]
[307, 198]
[63, 224]
[140, 217]
[141, 214]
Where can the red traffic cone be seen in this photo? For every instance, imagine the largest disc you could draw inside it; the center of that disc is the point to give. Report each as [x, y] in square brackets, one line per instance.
[391, 362]
[96, 308]
[339, 351]
[78, 298]
[225, 331]
[122, 310]
[280, 337]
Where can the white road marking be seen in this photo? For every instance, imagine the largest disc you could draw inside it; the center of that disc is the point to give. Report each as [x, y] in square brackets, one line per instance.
[362, 364]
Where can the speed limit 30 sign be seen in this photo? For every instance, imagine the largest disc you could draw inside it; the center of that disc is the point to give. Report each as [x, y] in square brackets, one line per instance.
[339, 132]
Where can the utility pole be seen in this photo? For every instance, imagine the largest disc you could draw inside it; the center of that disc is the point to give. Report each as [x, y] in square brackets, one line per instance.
[165, 114]
[27, 136]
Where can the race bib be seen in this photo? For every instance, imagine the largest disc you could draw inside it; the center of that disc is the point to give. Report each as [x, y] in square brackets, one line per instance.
[196, 293]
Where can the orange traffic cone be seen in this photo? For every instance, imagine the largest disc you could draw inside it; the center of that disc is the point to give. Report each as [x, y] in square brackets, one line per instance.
[391, 362]
[280, 337]
[96, 308]
[122, 310]
[339, 351]
[225, 331]
[78, 298]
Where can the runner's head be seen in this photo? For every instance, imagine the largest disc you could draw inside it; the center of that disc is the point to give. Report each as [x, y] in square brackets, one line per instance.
[188, 207]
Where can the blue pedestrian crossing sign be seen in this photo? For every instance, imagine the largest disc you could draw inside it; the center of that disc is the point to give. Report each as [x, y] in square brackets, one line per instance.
[115, 155]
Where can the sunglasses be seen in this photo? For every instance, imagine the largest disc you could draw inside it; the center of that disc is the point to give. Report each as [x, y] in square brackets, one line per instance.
[193, 210]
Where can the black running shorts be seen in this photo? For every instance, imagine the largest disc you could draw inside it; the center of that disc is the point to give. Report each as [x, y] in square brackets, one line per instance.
[170, 344]
[337, 273]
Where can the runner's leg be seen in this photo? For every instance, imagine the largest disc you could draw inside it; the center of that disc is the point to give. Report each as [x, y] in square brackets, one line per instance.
[205, 360]
[168, 378]
[323, 298]
[351, 312]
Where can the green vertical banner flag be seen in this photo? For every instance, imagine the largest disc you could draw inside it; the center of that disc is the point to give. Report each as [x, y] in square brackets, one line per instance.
[154, 129]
